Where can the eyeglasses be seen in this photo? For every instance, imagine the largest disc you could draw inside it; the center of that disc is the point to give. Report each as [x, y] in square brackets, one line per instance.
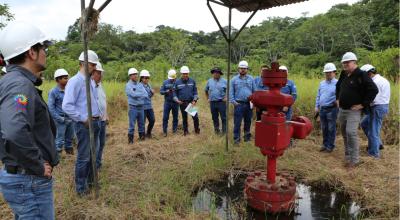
[46, 50]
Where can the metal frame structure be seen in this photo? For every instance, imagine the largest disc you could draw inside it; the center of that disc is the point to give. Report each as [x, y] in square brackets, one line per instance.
[84, 22]
[243, 6]
[228, 38]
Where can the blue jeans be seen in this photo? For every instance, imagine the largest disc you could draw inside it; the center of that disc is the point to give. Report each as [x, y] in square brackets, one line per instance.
[328, 116]
[30, 197]
[83, 165]
[102, 142]
[65, 134]
[242, 111]
[288, 114]
[168, 106]
[218, 109]
[149, 115]
[371, 125]
[136, 114]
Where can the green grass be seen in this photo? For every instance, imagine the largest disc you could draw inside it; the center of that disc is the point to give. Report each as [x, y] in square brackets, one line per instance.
[155, 179]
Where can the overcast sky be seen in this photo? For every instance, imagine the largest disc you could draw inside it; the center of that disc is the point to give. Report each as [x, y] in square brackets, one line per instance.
[54, 16]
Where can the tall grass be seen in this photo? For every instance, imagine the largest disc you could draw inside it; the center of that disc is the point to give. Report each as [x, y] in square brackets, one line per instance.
[304, 105]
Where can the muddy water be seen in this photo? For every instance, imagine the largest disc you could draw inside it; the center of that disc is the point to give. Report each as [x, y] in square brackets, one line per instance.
[224, 199]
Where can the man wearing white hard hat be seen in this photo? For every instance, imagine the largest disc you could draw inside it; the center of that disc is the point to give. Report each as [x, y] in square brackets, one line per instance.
[167, 90]
[27, 145]
[372, 121]
[290, 89]
[75, 105]
[186, 93]
[355, 91]
[242, 86]
[148, 106]
[65, 130]
[325, 106]
[136, 94]
[97, 78]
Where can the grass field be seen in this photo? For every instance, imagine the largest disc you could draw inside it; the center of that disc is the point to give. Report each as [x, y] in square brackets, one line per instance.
[154, 179]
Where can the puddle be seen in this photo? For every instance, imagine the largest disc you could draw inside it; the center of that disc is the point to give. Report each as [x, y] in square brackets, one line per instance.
[224, 199]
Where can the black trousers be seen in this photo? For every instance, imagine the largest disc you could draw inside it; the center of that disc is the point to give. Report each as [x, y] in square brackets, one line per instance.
[184, 117]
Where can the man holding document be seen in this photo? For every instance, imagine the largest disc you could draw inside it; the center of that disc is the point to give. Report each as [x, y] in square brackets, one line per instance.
[185, 93]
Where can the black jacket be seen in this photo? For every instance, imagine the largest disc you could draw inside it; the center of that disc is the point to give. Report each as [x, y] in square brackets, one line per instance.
[27, 130]
[358, 88]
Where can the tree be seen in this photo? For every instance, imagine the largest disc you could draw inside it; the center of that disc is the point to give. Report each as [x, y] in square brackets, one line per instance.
[5, 15]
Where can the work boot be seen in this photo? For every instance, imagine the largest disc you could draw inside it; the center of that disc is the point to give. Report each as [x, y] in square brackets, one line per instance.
[197, 131]
[165, 134]
[69, 151]
[142, 136]
[381, 147]
[148, 135]
[185, 133]
[130, 138]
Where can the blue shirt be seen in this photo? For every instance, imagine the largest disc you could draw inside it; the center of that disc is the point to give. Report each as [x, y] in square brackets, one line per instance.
[56, 97]
[102, 102]
[147, 101]
[167, 90]
[185, 90]
[216, 89]
[259, 84]
[326, 95]
[74, 103]
[136, 93]
[290, 89]
[241, 88]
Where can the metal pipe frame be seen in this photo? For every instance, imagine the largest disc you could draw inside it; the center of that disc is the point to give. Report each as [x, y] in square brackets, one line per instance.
[229, 40]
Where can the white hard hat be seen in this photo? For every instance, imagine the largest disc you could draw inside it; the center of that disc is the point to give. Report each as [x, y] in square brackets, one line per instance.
[283, 68]
[171, 74]
[132, 71]
[367, 68]
[349, 56]
[4, 69]
[144, 73]
[60, 72]
[185, 69]
[243, 64]
[92, 57]
[17, 37]
[99, 67]
[329, 67]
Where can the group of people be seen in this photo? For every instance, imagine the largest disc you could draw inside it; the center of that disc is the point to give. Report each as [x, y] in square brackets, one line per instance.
[359, 92]
[33, 133]
[178, 94]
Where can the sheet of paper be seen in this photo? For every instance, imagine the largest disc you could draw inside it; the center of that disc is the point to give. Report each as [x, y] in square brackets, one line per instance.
[192, 110]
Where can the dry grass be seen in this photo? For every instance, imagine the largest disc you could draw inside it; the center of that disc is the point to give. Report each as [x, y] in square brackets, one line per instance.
[154, 179]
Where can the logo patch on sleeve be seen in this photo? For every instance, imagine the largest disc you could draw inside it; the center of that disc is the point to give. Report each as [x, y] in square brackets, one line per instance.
[21, 101]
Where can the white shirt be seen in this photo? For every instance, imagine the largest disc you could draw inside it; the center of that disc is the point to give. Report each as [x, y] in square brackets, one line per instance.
[102, 102]
[383, 96]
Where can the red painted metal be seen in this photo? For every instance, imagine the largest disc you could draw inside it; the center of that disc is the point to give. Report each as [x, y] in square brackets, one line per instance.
[268, 191]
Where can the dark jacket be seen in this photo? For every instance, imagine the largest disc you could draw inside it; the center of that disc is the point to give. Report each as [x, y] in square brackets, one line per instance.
[27, 128]
[167, 90]
[185, 90]
[358, 88]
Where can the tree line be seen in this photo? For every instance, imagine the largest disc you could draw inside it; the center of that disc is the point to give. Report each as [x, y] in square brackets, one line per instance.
[370, 28]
